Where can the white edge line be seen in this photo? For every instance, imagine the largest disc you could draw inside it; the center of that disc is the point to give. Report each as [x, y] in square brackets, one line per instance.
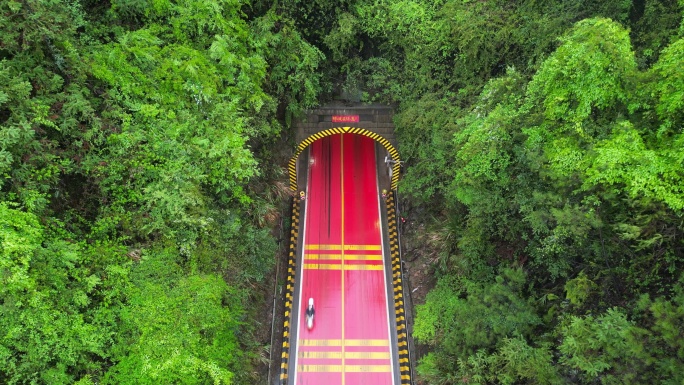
[384, 266]
[301, 268]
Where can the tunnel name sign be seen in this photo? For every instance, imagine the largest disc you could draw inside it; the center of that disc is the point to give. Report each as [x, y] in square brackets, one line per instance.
[345, 119]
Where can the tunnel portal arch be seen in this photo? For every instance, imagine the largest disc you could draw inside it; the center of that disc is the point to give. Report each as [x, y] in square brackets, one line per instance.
[393, 160]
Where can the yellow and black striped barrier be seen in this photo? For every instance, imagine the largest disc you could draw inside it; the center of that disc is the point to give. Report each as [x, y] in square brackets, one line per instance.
[402, 332]
[289, 290]
[292, 166]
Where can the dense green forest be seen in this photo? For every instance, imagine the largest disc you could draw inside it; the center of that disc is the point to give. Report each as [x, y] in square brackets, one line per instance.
[142, 149]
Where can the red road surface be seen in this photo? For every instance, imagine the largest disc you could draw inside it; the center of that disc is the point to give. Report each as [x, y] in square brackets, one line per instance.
[343, 269]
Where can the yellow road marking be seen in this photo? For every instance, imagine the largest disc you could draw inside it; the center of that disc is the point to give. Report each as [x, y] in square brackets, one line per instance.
[344, 368]
[322, 247]
[367, 342]
[342, 246]
[367, 355]
[363, 257]
[320, 368]
[327, 266]
[316, 266]
[331, 355]
[335, 342]
[362, 247]
[367, 368]
[363, 267]
[320, 342]
[347, 355]
[348, 257]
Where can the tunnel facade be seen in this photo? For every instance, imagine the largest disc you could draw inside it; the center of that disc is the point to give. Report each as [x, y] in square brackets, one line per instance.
[374, 121]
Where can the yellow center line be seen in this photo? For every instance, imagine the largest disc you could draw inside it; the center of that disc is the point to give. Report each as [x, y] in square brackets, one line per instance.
[342, 242]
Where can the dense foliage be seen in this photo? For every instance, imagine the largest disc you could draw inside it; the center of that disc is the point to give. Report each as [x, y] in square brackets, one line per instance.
[135, 165]
[138, 142]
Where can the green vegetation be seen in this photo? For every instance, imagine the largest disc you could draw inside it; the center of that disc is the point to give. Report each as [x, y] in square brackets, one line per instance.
[136, 143]
[139, 143]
